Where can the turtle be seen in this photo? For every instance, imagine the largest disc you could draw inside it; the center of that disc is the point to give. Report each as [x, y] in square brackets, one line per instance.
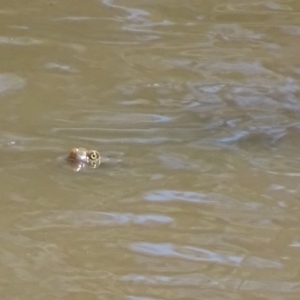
[81, 157]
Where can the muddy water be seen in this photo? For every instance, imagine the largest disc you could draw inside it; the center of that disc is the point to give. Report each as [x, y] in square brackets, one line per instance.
[195, 104]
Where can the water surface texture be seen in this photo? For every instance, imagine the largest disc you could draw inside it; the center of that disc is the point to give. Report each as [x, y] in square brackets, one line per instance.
[195, 105]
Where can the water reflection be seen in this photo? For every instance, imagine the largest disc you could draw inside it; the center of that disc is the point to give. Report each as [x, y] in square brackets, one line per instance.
[173, 195]
[75, 219]
[185, 252]
[11, 82]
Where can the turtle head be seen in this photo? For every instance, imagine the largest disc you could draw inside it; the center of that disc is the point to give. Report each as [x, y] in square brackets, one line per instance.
[84, 156]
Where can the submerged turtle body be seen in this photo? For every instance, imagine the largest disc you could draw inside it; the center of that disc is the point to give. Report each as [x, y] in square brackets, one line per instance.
[80, 157]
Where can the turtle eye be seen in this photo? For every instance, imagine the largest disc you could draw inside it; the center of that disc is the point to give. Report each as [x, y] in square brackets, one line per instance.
[94, 155]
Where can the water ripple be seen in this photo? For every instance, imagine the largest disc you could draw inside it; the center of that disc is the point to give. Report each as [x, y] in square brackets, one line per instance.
[90, 218]
[11, 82]
[186, 196]
[185, 252]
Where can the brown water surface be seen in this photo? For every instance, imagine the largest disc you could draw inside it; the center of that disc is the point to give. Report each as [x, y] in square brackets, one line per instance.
[196, 104]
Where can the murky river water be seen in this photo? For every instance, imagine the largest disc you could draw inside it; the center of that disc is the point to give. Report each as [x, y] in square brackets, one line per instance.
[196, 104]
